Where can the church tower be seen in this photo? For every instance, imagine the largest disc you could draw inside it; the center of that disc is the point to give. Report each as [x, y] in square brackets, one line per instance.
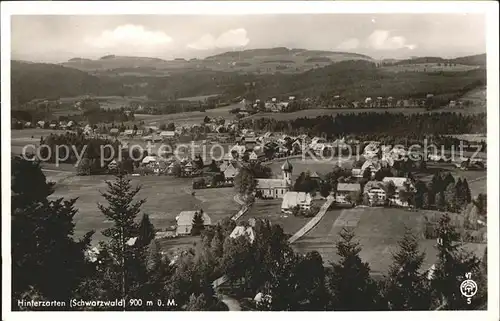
[287, 170]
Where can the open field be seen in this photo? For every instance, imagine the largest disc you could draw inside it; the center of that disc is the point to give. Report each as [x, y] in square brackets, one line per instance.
[198, 98]
[429, 67]
[477, 95]
[271, 210]
[106, 101]
[312, 113]
[303, 165]
[187, 118]
[377, 229]
[165, 197]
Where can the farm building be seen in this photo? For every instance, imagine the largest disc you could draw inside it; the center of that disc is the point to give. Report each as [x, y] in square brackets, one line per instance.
[185, 221]
[293, 199]
[347, 193]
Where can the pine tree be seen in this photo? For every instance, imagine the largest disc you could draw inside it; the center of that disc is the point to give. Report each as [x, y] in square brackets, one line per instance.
[452, 265]
[127, 264]
[349, 280]
[47, 261]
[198, 223]
[468, 195]
[406, 286]
[146, 231]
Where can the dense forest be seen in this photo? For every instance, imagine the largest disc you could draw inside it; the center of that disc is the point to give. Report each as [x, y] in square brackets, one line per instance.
[395, 124]
[353, 80]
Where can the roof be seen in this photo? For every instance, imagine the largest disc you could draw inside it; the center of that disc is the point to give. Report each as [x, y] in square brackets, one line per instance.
[374, 184]
[291, 199]
[314, 175]
[398, 181]
[269, 183]
[287, 166]
[113, 130]
[186, 218]
[149, 159]
[243, 231]
[128, 132]
[167, 133]
[349, 187]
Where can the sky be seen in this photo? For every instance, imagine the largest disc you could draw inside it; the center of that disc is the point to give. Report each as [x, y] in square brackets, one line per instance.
[59, 38]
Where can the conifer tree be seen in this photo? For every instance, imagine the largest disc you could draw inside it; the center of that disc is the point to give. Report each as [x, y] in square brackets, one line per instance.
[47, 262]
[468, 195]
[452, 265]
[146, 231]
[127, 264]
[198, 223]
[406, 286]
[349, 280]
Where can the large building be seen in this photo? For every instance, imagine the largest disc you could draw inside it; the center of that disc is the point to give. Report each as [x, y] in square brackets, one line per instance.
[276, 187]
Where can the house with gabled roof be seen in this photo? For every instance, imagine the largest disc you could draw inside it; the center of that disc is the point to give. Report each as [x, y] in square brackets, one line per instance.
[347, 193]
[185, 221]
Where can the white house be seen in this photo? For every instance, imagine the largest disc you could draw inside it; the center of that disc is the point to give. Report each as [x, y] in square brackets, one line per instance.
[185, 221]
[256, 155]
[242, 231]
[346, 191]
[293, 199]
[230, 172]
[376, 193]
[167, 134]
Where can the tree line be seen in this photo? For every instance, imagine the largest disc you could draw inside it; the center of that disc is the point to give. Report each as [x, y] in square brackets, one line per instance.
[375, 124]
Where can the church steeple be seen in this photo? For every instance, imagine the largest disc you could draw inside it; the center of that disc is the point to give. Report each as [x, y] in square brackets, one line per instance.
[287, 170]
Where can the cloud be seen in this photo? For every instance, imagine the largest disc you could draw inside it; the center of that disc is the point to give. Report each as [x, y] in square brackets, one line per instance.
[130, 35]
[230, 39]
[349, 44]
[382, 40]
[206, 42]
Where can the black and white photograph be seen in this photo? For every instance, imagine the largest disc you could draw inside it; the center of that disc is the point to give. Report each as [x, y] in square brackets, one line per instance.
[314, 156]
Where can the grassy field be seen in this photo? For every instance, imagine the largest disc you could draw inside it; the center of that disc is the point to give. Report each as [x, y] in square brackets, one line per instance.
[165, 198]
[377, 230]
[108, 102]
[312, 113]
[198, 98]
[271, 210]
[303, 165]
[429, 67]
[187, 118]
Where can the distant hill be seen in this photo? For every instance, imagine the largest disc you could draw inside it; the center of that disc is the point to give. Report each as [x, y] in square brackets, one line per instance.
[35, 80]
[475, 60]
[247, 61]
[352, 79]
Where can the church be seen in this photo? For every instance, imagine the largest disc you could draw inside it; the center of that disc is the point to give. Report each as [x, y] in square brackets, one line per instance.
[275, 187]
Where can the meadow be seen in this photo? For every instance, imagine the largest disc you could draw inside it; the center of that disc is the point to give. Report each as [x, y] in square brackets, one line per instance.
[271, 210]
[429, 67]
[315, 112]
[187, 118]
[377, 230]
[165, 198]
